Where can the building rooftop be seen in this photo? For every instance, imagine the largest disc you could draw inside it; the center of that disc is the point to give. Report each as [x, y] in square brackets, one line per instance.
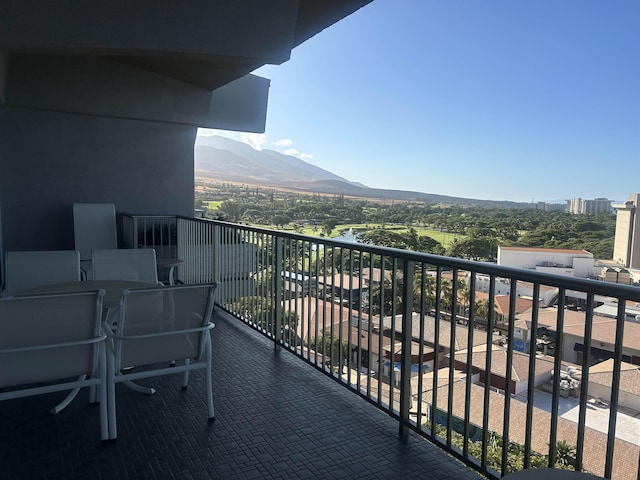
[602, 374]
[276, 417]
[603, 329]
[547, 250]
[461, 332]
[503, 302]
[520, 363]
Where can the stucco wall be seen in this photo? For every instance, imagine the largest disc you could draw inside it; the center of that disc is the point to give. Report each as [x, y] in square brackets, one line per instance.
[50, 160]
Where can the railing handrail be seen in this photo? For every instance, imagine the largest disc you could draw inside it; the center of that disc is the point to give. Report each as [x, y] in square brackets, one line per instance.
[560, 281]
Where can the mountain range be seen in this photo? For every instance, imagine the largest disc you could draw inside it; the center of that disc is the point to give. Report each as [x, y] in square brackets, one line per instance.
[228, 160]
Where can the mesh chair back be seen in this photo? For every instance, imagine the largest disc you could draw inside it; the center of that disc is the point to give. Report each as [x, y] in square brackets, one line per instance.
[138, 264]
[25, 270]
[94, 227]
[32, 328]
[160, 317]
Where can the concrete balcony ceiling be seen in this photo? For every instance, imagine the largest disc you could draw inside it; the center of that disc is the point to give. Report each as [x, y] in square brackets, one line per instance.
[206, 44]
[98, 98]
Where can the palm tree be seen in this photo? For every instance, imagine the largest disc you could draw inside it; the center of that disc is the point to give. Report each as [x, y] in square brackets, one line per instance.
[482, 310]
[423, 295]
[463, 295]
[565, 454]
[446, 294]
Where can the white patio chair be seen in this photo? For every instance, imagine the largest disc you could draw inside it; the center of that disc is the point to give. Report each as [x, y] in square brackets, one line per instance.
[50, 339]
[94, 227]
[155, 326]
[31, 269]
[138, 264]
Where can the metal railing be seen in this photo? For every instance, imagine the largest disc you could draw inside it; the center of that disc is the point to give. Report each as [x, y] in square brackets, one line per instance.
[504, 368]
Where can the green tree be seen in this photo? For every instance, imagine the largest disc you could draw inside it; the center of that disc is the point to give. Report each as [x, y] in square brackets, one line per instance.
[332, 349]
[329, 225]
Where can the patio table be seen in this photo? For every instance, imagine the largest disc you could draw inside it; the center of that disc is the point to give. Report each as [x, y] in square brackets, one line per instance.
[170, 264]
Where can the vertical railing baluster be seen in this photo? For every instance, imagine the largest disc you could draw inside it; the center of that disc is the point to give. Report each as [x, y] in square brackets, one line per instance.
[422, 314]
[615, 388]
[405, 356]
[584, 381]
[557, 366]
[332, 312]
[381, 329]
[436, 356]
[453, 305]
[486, 433]
[349, 326]
[469, 372]
[341, 359]
[279, 268]
[325, 344]
[513, 296]
[531, 385]
[317, 302]
[394, 329]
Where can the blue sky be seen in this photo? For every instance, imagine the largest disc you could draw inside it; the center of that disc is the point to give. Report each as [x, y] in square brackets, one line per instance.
[494, 99]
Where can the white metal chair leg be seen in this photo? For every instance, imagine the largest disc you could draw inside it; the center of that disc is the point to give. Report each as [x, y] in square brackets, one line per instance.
[69, 398]
[102, 391]
[185, 375]
[111, 397]
[208, 381]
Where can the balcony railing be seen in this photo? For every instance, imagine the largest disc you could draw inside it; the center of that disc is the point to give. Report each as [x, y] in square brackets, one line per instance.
[504, 368]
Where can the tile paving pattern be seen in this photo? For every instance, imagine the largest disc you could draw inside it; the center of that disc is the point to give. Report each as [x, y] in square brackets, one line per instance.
[276, 418]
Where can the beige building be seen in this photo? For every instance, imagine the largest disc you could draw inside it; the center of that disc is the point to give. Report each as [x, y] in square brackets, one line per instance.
[603, 336]
[601, 380]
[626, 249]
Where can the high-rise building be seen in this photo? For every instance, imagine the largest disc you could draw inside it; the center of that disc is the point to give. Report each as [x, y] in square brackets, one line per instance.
[626, 247]
[582, 206]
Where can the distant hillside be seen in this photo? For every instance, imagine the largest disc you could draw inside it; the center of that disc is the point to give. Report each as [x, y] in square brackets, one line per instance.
[224, 159]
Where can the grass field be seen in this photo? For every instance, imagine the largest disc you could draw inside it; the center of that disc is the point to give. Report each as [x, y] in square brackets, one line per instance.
[444, 238]
[213, 204]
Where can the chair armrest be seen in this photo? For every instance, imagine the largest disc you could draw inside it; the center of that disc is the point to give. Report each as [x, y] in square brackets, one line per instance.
[209, 326]
[89, 341]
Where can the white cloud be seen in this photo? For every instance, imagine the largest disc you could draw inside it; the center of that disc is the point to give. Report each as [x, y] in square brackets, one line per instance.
[255, 140]
[285, 142]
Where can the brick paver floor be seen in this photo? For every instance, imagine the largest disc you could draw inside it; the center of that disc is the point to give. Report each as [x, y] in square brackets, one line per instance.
[276, 417]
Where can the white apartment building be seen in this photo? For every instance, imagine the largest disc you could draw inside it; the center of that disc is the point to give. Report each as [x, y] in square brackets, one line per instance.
[502, 286]
[579, 206]
[572, 263]
[551, 207]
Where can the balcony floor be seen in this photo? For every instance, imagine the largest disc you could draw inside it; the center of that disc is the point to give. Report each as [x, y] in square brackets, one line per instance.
[276, 417]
